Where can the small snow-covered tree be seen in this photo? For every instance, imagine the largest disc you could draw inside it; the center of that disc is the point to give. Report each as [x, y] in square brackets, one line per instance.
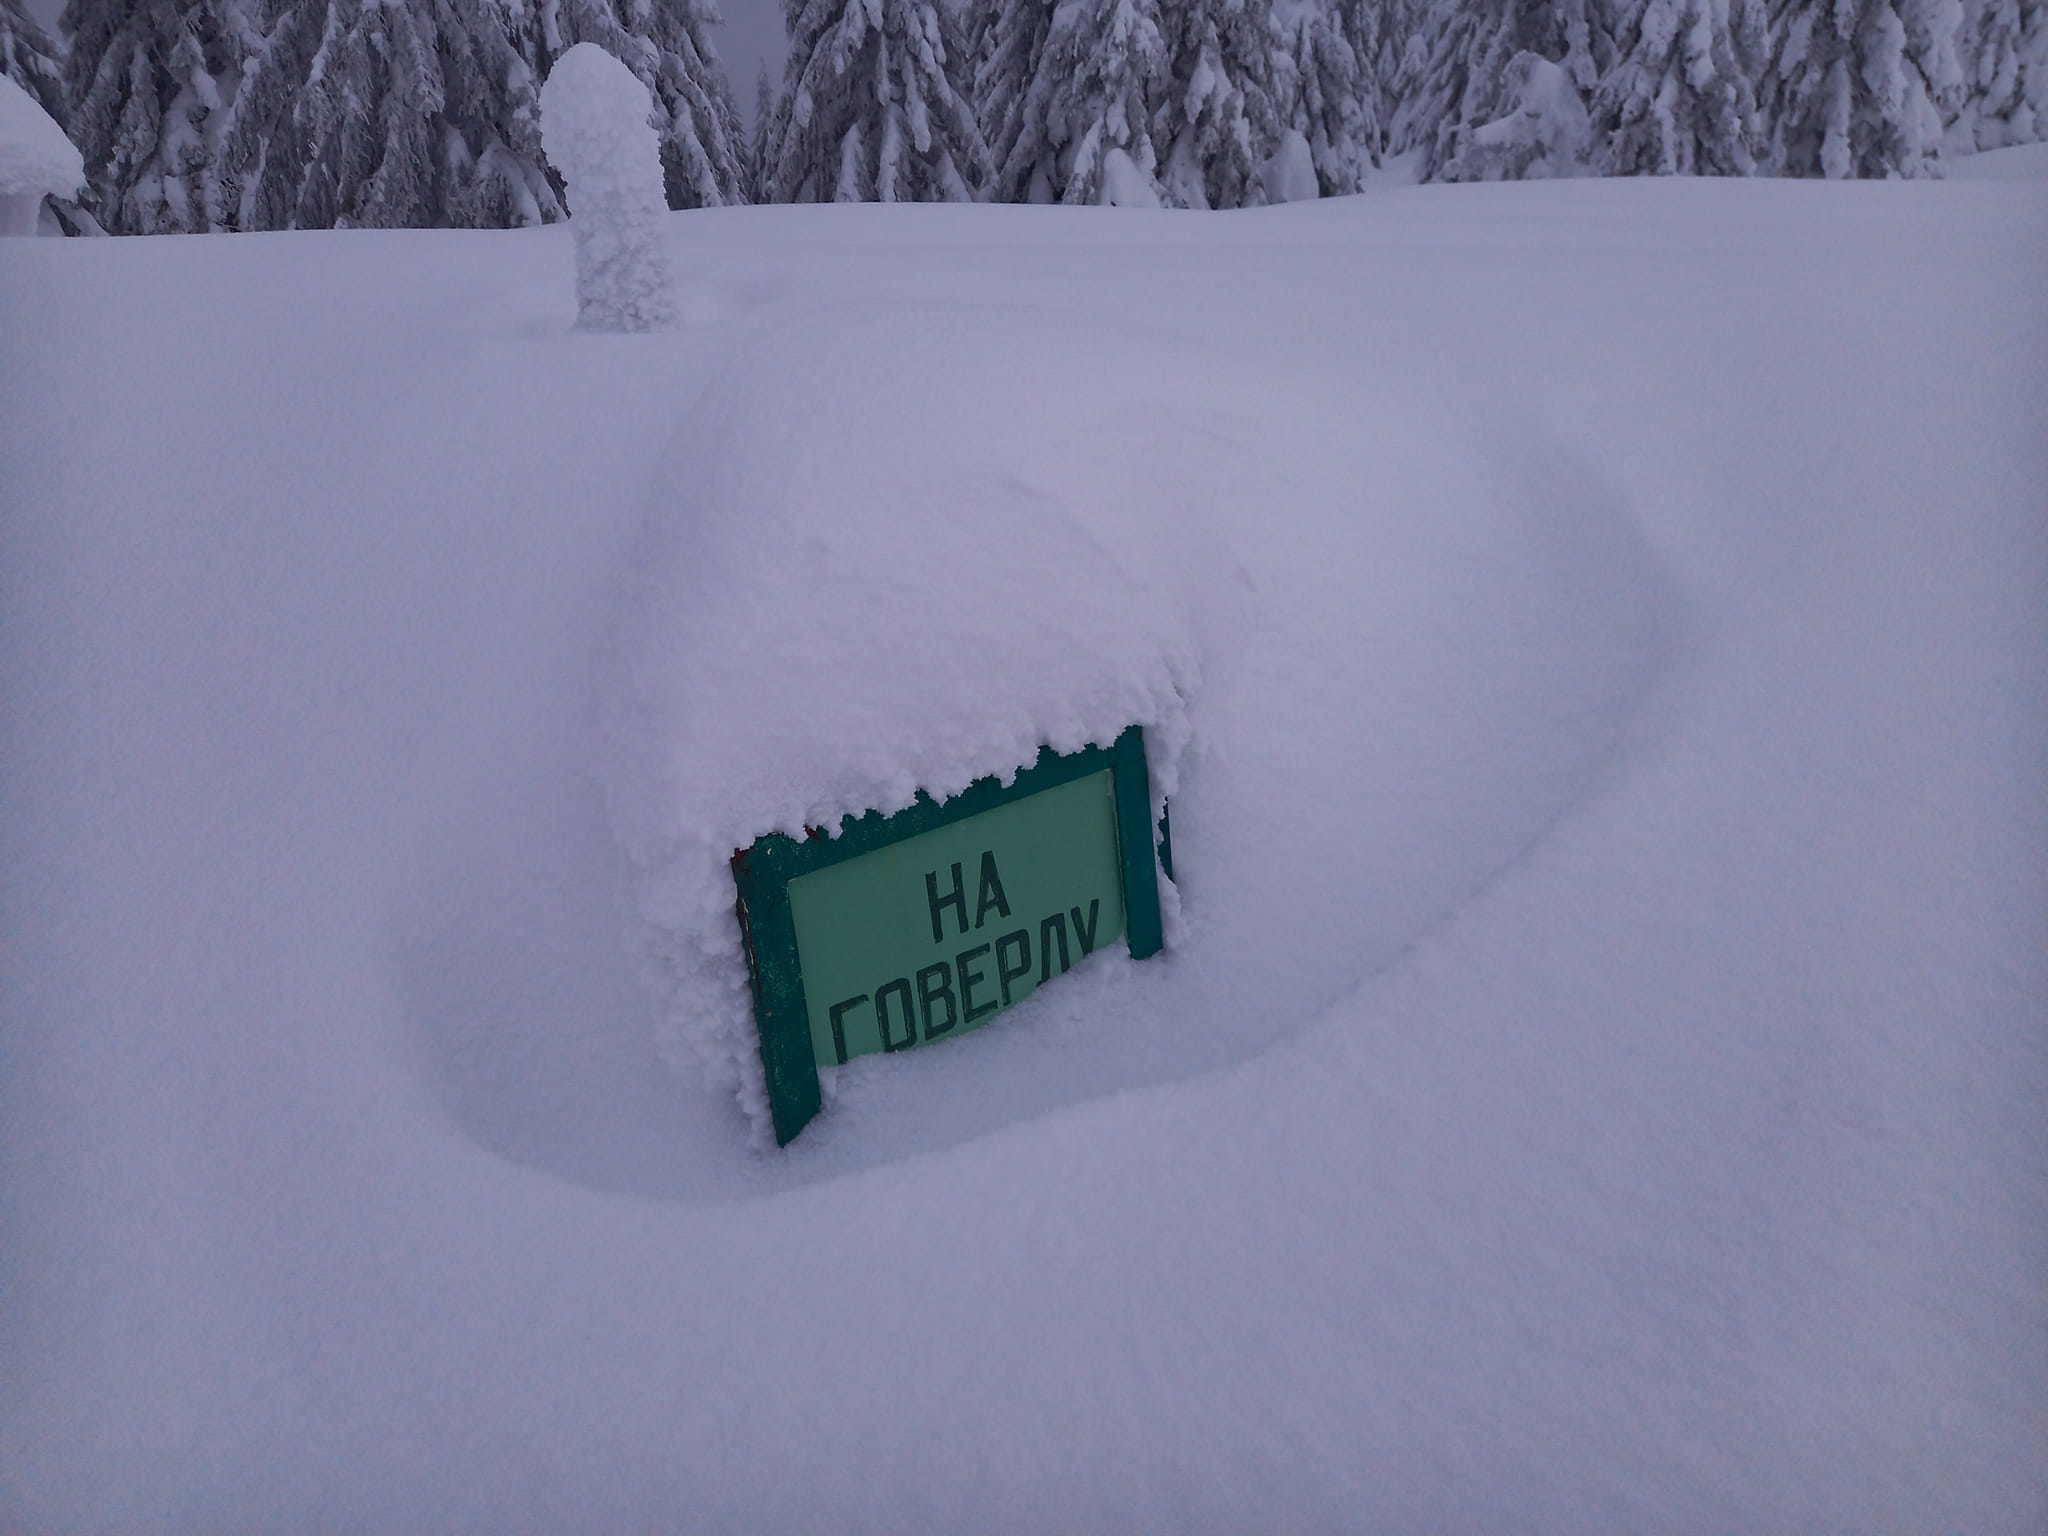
[1324, 88]
[667, 43]
[1455, 78]
[595, 124]
[1069, 93]
[1856, 87]
[2003, 50]
[875, 106]
[1681, 97]
[1217, 120]
[1544, 132]
[31, 58]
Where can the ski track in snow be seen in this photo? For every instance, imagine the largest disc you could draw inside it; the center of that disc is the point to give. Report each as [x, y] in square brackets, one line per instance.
[1599, 1081]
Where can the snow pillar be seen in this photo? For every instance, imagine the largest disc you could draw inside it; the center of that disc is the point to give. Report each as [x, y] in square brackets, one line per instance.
[595, 130]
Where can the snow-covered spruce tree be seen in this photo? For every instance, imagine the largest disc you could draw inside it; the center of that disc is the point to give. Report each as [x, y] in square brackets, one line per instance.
[258, 158]
[667, 43]
[1857, 87]
[596, 126]
[31, 58]
[148, 81]
[875, 106]
[1680, 98]
[2004, 56]
[1075, 124]
[1217, 120]
[415, 114]
[1366, 25]
[274, 114]
[765, 107]
[1456, 79]
[1400, 53]
[1009, 39]
[1324, 88]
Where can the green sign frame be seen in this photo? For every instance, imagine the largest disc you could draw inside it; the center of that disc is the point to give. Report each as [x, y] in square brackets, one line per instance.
[763, 874]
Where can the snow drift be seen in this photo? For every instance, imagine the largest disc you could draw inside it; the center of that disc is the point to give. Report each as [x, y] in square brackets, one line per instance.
[1598, 1079]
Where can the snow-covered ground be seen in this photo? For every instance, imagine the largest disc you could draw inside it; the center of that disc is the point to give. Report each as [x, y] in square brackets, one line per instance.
[1595, 634]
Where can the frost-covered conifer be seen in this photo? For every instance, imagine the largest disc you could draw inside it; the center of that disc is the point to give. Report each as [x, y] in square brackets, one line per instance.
[1857, 87]
[2004, 57]
[1324, 88]
[1069, 93]
[1681, 96]
[148, 81]
[595, 121]
[875, 106]
[31, 58]
[1216, 121]
[667, 44]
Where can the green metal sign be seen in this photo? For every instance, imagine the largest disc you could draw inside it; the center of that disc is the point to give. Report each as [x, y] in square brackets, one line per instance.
[917, 927]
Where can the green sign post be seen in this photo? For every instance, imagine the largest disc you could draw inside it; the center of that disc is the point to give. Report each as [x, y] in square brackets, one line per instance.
[920, 926]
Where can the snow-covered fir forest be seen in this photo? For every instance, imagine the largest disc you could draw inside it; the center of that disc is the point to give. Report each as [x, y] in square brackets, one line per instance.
[200, 115]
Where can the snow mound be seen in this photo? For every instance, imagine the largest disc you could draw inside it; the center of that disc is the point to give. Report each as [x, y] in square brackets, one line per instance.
[887, 555]
[899, 547]
[1598, 1081]
[36, 160]
[1291, 173]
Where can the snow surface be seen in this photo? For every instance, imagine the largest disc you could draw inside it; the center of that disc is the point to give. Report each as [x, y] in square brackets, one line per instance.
[1597, 639]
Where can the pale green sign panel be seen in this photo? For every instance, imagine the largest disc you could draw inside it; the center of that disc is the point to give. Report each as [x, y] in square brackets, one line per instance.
[917, 927]
[928, 938]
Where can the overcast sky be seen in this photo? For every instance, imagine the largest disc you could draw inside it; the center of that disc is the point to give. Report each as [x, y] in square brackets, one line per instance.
[752, 35]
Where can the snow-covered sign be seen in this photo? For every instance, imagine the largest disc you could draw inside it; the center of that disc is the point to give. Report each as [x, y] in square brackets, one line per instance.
[917, 927]
[36, 160]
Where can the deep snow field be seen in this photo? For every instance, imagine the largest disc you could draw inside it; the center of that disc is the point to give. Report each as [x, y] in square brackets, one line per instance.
[1594, 635]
